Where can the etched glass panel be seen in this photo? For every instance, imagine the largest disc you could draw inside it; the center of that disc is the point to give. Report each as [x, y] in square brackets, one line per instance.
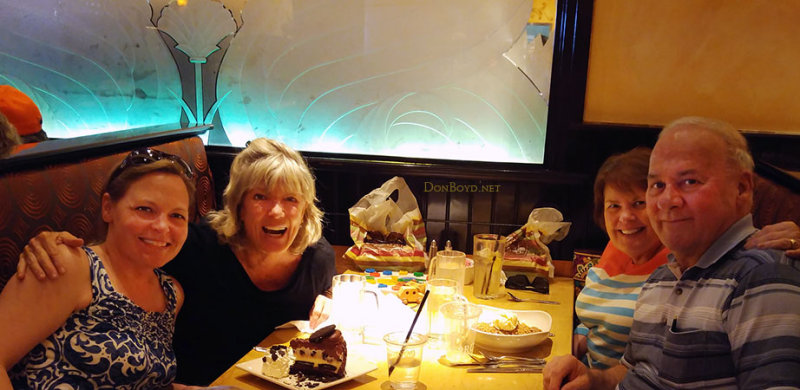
[437, 79]
[460, 80]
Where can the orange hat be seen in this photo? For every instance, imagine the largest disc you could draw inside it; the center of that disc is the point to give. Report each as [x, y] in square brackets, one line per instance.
[20, 110]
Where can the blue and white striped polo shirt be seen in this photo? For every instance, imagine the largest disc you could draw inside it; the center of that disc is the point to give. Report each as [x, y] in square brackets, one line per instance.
[732, 321]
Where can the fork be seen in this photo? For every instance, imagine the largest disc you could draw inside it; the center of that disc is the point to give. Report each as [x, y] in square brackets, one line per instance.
[491, 359]
[514, 298]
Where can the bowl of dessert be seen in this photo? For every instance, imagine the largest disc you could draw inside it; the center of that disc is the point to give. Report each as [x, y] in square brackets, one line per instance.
[511, 331]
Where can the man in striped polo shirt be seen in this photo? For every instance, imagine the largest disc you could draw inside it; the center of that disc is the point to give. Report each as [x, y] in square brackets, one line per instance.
[716, 316]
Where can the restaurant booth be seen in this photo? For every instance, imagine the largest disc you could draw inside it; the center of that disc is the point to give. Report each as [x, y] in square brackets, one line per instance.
[519, 100]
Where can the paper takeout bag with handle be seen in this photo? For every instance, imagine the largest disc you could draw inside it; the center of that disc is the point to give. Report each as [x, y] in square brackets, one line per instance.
[526, 248]
[388, 234]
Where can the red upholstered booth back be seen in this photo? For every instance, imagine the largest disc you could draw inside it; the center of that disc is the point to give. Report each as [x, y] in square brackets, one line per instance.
[774, 203]
[67, 197]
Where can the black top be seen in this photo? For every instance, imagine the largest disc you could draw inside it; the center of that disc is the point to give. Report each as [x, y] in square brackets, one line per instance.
[224, 314]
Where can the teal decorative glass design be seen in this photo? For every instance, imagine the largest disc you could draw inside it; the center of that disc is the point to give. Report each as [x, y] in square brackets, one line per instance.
[395, 78]
[458, 80]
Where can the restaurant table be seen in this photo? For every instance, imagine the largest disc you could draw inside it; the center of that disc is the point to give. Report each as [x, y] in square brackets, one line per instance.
[434, 375]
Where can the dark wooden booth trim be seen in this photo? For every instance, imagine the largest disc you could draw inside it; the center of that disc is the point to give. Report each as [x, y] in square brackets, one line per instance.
[71, 149]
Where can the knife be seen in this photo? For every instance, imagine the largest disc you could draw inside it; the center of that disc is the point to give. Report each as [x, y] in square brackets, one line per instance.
[512, 360]
[506, 369]
[543, 301]
[492, 364]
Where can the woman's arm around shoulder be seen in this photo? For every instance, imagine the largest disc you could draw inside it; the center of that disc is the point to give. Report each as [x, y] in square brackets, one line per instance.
[31, 310]
[781, 236]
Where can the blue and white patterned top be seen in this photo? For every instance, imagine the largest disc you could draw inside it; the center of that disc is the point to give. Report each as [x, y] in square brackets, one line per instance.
[111, 344]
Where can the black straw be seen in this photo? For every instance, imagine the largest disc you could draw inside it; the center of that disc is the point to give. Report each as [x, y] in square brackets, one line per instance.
[485, 287]
[410, 330]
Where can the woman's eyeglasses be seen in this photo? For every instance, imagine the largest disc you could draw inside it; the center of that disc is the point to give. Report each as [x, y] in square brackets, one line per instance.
[146, 156]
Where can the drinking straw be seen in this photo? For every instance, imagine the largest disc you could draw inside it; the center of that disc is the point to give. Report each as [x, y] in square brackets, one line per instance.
[410, 330]
[485, 286]
[488, 280]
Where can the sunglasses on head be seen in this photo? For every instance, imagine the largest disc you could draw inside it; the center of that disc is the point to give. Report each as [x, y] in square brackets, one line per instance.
[145, 156]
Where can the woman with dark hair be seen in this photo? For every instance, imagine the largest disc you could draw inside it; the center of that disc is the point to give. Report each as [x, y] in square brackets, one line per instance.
[605, 305]
[108, 321]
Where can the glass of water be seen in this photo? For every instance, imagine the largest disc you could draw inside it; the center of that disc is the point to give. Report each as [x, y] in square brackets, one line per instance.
[405, 357]
[488, 253]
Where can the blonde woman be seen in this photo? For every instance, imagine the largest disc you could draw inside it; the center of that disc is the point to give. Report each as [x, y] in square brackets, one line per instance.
[259, 262]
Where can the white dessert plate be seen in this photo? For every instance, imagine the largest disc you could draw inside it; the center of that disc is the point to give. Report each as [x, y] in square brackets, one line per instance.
[356, 366]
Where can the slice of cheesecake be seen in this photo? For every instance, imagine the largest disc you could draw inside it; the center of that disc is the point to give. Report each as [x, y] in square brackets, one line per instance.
[324, 354]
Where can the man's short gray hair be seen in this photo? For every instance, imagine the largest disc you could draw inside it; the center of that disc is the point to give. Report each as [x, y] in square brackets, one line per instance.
[737, 152]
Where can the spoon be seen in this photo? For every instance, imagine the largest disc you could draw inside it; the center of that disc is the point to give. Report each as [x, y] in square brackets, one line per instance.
[514, 298]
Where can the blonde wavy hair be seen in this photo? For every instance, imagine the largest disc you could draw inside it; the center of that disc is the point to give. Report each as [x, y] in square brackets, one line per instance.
[267, 162]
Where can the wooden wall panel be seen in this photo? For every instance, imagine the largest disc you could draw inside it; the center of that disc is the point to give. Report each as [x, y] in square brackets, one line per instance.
[652, 61]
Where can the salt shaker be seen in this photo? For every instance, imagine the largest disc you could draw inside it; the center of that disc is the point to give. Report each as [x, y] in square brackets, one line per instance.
[431, 252]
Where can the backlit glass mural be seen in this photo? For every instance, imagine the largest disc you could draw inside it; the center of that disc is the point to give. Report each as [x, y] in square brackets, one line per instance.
[460, 80]
[415, 79]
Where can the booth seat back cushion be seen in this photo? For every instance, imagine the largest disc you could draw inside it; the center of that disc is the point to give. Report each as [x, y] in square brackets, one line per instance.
[773, 203]
[66, 197]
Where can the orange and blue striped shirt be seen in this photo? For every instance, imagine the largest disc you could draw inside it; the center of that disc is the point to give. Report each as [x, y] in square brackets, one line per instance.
[605, 305]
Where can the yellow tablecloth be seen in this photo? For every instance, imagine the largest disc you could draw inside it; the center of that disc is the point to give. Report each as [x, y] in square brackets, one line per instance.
[435, 376]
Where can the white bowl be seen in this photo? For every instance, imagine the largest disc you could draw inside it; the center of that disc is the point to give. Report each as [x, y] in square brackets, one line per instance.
[513, 343]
